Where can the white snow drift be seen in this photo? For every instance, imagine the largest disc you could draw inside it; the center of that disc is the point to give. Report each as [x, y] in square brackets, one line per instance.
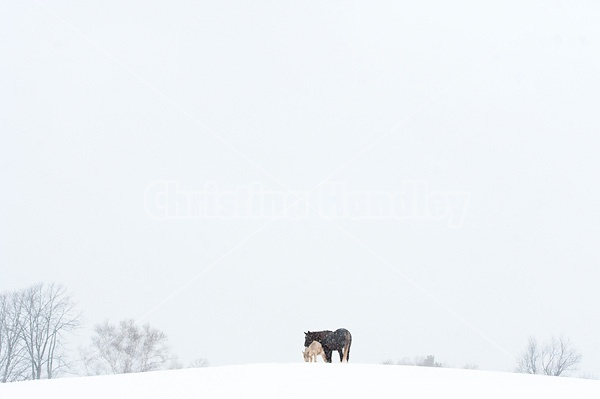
[307, 380]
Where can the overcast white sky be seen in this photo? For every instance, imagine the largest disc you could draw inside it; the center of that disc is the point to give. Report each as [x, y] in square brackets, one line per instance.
[479, 120]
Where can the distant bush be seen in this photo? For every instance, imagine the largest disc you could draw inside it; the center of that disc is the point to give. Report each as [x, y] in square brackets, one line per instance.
[422, 361]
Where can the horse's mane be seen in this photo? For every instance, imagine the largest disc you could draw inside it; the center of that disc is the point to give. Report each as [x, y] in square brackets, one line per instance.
[319, 334]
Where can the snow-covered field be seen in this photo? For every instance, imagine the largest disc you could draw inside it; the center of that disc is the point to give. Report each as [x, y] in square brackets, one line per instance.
[307, 380]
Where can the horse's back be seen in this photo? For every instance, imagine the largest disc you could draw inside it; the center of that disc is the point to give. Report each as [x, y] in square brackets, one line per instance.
[343, 333]
[338, 338]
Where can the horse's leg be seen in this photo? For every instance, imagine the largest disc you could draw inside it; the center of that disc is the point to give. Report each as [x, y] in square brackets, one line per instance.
[328, 355]
[349, 340]
[341, 352]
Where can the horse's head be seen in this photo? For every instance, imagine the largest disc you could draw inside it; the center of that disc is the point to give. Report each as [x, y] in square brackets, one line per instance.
[309, 337]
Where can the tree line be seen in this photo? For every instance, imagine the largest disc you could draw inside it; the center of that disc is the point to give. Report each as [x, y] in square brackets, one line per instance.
[554, 357]
[35, 324]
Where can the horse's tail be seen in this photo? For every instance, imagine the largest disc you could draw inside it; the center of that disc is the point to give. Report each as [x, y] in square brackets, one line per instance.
[347, 343]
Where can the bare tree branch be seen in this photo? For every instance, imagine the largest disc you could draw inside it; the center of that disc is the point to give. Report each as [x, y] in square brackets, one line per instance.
[13, 363]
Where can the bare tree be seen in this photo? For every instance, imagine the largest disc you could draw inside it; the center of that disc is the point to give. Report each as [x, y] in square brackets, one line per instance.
[529, 361]
[556, 357]
[48, 313]
[127, 348]
[559, 357]
[13, 365]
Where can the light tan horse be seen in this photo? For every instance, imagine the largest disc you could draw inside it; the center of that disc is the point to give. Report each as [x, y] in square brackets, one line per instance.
[314, 349]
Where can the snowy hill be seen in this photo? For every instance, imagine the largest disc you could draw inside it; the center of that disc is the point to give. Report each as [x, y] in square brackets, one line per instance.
[307, 380]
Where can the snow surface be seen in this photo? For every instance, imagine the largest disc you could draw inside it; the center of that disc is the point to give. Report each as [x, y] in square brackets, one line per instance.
[307, 380]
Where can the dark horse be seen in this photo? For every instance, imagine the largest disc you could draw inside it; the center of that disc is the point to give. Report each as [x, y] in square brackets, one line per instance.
[338, 340]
